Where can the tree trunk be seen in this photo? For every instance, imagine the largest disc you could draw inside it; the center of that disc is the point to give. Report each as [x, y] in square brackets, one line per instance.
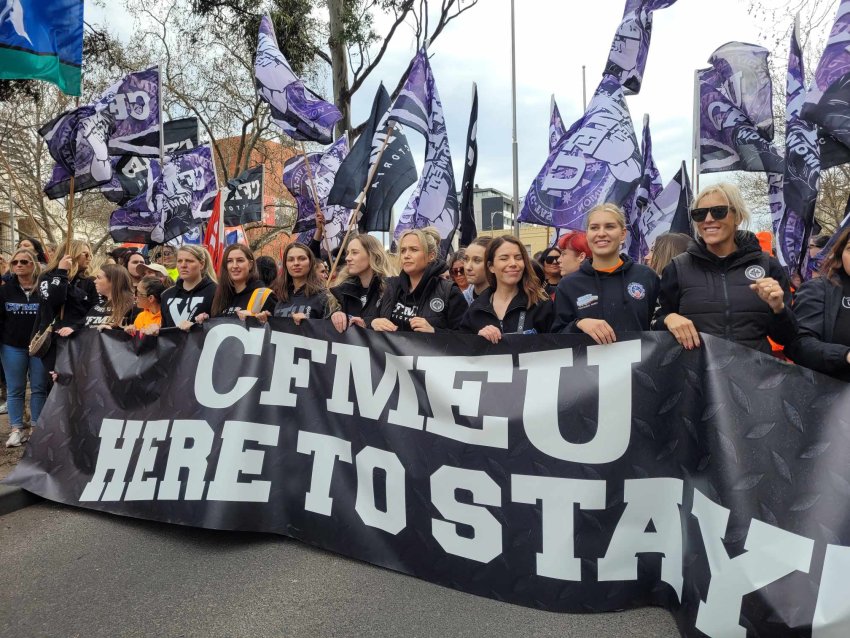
[339, 63]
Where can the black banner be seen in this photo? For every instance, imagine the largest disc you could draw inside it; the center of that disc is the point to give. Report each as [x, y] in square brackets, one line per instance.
[541, 471]
[244, 203]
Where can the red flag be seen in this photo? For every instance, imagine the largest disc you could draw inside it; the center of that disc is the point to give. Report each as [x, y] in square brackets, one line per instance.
[214, 238]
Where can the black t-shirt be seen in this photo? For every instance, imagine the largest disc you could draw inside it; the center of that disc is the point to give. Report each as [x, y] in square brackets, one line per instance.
[841, 332]
[240, 300]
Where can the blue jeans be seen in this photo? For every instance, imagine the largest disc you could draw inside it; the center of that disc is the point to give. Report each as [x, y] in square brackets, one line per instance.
[16, 363]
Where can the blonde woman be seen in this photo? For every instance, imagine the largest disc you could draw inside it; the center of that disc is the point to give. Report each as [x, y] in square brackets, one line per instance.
[724, 285]
[419, 300]
[19, 303]
[360, 284]
[609, 293]
[190, 299]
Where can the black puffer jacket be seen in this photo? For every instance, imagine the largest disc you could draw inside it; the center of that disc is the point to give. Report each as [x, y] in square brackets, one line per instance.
[624, 298]
[816, 307]
[481, 313]
[436, 300]
[715, 294]
[357, 301]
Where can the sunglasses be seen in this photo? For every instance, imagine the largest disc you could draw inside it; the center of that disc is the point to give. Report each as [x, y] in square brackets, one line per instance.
[456, 272]
[551, 259]
[717, 213]
[22, 262]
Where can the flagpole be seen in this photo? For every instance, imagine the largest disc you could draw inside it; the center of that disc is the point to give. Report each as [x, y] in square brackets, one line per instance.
[312, 186]
[584, 86]
[696, 146]
[69, 206]
[513, 110]
[161, 124]
[352, 219]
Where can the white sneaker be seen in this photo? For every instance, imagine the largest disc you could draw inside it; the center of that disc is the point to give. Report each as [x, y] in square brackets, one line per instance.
[3, 409]
[15, 439]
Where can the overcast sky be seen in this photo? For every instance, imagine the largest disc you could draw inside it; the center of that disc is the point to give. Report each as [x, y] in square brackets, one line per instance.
[554, 39]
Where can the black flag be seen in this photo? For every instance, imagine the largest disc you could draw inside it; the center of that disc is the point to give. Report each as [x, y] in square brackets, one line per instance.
[396, 173]
[468, 232]
[681, 222]
[244, 203]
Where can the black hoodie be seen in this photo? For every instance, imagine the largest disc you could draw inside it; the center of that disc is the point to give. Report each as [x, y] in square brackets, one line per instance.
[357, 301]
[438, 301]
[179, 304]
[624, 298]
[77, 296]
[715, 294]
[314, 306]
[518, 317]
[18, 313]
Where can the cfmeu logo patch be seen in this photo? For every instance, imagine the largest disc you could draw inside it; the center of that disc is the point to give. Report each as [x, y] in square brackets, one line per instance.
[754, 273]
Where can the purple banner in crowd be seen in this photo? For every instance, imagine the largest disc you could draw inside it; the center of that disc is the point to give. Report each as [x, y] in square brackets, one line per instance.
[597, 160]
[556, 125]
[736, 113]
[301, 114]
[630, 48]
[649, 186]
[134, 103]
[802, 168]
[667, 212]
[828, 99]
[180, 199]
[434, 202]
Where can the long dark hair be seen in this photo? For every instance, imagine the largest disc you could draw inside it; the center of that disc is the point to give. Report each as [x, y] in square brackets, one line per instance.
[530, 284]
[39, 249]
[314, 285]
[121, 299]
[225, 292]
[833, 264]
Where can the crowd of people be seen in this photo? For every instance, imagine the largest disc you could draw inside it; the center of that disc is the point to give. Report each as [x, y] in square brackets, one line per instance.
[721, 283]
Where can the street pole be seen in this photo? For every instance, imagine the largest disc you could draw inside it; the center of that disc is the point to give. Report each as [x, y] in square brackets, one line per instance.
[584, 87]
[513, 106]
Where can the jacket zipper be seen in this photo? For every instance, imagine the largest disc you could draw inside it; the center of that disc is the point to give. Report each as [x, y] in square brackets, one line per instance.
[728, 311]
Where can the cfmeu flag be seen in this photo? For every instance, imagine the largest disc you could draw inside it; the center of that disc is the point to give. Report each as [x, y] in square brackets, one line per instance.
[597, 160]
[302, 114]
[42, 40]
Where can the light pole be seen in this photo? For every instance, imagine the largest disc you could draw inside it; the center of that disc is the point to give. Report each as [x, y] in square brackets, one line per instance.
[513, 108]
[492, 226]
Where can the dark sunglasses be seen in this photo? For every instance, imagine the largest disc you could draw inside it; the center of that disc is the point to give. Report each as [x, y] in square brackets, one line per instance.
[551, 259]
[22, 262]
[457, 272]
[717, 213]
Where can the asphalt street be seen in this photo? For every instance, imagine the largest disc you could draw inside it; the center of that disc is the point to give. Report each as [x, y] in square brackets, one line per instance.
[71, 572]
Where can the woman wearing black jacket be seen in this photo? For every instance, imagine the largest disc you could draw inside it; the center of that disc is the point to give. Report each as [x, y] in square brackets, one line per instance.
[515, 302]
[611, 293]
[360, 284]
[822, 308]
[238, 281]
[300, 290]
[419, 300]
[19, 302]
[724, 285]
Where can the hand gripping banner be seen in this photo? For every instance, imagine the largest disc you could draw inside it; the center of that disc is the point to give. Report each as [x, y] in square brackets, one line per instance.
[541, 471]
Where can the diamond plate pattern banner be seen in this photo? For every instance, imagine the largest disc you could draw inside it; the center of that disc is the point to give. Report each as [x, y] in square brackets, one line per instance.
[543, 471]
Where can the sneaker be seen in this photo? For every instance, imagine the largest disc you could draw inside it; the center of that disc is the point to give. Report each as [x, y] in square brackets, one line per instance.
[15, 439]
[3, 409]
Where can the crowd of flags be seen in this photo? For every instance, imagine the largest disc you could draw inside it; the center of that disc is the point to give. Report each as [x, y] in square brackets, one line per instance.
[164, 180]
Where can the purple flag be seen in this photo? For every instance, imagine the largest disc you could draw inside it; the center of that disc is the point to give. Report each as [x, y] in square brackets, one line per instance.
[648, 187]
[78, 141]
[434, 202]
[556, 125]
[301, 114]
[736, 112]
[828, 100]
[671, 204]
[134, 103]
[775, 201]
[596, 161]
[630, 48]
[324, 167]
[180, 199]
[802, 169]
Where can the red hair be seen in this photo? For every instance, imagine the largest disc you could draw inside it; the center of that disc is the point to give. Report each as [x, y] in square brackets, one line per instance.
[574, 240]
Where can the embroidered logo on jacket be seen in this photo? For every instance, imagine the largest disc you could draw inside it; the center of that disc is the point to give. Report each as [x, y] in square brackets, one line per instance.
[846, 302]
[754, 272]
[437, 304]
[585, 301]
[636, 290]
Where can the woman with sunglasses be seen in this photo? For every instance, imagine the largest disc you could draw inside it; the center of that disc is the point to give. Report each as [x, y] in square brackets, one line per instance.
[609, 293]
[822, 308]
[19, 303]
[457, 269]
[551, 262]
[724, 285]
[515, 302]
